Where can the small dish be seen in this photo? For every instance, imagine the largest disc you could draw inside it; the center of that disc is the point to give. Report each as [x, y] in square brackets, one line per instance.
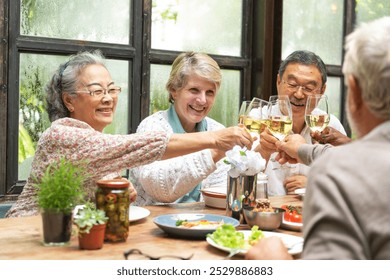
[291, 225]
[215, 197]
[137, 213]
[293, 243]
[168, 224]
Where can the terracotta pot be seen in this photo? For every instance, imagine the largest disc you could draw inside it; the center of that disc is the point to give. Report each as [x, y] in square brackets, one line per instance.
[94, 239]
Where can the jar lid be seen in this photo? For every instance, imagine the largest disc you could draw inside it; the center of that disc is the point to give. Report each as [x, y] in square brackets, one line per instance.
[113, 183]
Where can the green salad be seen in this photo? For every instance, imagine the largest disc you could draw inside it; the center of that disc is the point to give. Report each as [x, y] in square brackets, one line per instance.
[226, 235]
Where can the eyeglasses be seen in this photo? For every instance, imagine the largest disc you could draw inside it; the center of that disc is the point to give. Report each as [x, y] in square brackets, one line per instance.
[100, 92]
[139, 255]
[292, 87]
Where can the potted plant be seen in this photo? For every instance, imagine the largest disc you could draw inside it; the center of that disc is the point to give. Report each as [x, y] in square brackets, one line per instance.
[58, 191]
[91, 224]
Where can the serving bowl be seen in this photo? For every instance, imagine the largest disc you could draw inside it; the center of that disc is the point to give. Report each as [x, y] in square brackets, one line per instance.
[264, 220]
[215, 197]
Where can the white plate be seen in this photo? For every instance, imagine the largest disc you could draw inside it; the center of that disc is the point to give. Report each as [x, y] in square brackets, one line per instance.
[137, 213]
[294, 243]
[291, 225]
[168, 224]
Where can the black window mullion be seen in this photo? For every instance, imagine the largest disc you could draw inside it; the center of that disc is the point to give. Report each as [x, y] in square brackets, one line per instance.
[349, 22]
[13, 97]
[4, 16]
[246, 50]
[144, 55]
[46, 46]
[135, 71]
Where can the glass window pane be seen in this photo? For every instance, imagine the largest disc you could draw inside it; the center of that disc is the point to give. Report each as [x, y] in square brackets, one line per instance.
[333, 91]
[183, 25]
[159, 98]
[228, 102]
[225, 109]
[91, 20]
[367, 10]
[35, 72]
[119, 71]
[316, 26]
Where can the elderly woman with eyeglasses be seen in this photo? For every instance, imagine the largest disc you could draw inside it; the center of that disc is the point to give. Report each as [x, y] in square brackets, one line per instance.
[192, 88]
[81, 102]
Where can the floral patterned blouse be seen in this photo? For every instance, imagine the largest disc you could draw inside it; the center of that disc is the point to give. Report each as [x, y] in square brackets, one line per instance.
[107, 156]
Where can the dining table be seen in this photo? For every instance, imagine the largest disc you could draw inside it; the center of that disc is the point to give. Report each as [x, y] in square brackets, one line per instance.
[21, 238]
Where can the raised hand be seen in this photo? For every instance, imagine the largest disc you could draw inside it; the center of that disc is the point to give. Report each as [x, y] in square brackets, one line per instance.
[331, 136]
[288, 149]
[227, 138]
[267, 144]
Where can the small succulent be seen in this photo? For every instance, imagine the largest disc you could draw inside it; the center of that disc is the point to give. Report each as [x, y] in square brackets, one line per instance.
[88, 216]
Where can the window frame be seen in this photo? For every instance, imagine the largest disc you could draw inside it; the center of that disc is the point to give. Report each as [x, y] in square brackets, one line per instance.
[19, 44]
[138, 52]
[258, 65]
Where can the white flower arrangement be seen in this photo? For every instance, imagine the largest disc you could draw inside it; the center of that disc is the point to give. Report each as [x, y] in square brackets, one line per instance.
[244, 162]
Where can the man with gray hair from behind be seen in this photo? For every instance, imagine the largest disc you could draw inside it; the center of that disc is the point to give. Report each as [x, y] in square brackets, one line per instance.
[346, 210]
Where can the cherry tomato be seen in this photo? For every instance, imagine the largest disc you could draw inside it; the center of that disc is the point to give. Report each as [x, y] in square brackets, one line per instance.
[296, 218]
[292, 214]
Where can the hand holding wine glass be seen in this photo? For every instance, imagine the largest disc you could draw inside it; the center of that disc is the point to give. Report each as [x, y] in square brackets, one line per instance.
[317, 112]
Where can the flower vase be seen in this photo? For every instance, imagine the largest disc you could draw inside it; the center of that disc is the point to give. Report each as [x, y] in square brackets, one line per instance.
[241, 193]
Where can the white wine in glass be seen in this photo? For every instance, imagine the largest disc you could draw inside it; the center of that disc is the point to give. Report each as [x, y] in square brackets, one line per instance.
[243, 111]
[280, 117]
[257, 115]
[317, 112]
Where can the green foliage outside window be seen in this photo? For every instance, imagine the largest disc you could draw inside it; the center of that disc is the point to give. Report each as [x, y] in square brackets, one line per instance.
[367, 10]
[33, 119]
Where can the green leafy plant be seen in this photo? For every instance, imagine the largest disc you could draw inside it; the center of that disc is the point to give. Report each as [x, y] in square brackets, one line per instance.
[88, 216]
[61, 186]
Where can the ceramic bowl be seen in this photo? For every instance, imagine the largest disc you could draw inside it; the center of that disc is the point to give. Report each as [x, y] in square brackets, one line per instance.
[215, 197]
[264, 220]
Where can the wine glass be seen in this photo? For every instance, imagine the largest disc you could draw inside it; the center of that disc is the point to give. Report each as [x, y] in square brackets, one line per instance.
[273, 98]
[280, 116]
[243, 111]
[257, 115]
[280, 124]
[317, 112]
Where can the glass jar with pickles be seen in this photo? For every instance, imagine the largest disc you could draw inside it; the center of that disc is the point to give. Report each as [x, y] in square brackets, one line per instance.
[112, 196]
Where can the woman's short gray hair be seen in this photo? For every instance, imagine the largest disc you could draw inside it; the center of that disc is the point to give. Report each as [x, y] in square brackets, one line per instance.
[367, 58]
[65, 79]
[190, 63]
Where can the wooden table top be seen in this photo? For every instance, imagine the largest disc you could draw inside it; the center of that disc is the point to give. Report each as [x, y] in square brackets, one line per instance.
[21, 238]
